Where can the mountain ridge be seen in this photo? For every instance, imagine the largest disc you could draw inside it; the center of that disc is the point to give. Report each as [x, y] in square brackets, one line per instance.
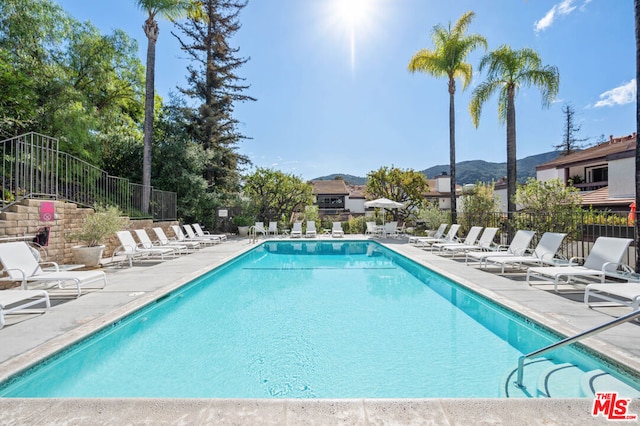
[471, 171]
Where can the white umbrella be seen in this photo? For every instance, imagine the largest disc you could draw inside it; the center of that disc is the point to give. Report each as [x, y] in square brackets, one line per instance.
[384, 203]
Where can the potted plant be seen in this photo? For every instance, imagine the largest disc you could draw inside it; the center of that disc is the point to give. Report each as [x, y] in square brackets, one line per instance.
[97, 226]
[243, 223]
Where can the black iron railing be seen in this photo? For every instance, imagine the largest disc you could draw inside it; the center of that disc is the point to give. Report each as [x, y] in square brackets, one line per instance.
[33, 167]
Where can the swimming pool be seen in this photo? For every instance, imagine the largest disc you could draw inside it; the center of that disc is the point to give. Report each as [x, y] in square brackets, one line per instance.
[303, 320]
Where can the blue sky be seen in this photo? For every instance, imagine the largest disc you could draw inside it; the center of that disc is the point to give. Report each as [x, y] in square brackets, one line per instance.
[334, 94]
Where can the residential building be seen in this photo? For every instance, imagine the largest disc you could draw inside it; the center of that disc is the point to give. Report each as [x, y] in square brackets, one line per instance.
[335, 197]
[604, 173]
[440, 191]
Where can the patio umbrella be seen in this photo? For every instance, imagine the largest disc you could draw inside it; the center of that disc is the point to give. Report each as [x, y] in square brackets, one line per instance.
[631, 219]
[384, 203]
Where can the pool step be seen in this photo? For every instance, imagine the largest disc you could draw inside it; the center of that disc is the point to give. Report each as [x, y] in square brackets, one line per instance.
[533, 368]
[560, 381]
[545, 379]
[600, 381]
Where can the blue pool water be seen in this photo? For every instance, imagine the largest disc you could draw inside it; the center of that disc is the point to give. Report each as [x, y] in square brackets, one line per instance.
[301, 320]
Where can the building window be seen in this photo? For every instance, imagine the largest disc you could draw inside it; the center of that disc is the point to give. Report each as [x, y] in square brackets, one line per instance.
[330, 202]
[597, 174]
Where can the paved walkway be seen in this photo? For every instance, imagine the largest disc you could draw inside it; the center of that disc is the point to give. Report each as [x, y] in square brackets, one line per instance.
[28, 339]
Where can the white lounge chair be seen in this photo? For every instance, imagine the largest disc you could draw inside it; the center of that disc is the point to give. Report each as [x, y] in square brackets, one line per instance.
[447, 239]
[20, 265]
[131, 250]
[620, 293]
[311, 229]
[391, 230]
[202, 233]
[544, 253]
[518, 246]
[296, 232]
[12, 301]
[438, 234]
[371, 229]
[605, 256]
[336, 230]
[181, 245]
[470, 240]
[273, 229]
[180, 237]
[191, 236]
[258, 228]
[146, 242]
[484, 243]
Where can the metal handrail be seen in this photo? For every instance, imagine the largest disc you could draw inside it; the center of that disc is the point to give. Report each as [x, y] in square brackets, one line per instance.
[32, 166]
[253, 235]
[572, 339]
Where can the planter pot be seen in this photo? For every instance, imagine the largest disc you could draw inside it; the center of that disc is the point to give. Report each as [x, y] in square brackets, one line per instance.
[88, 256]
[243, 231]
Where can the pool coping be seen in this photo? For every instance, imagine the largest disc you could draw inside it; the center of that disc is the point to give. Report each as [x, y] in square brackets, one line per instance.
[361, 409]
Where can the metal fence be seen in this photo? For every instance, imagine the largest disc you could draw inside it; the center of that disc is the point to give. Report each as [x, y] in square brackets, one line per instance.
[582, 228]
[33, 167]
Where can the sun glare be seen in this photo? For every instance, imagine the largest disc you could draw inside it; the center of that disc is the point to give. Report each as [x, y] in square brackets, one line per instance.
[354, 20]
[352, 12]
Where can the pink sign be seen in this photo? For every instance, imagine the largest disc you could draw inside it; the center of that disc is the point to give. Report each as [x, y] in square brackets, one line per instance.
[47, 211]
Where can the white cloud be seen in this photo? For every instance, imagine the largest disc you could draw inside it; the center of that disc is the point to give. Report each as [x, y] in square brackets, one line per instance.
[565, 7]
[620, 95]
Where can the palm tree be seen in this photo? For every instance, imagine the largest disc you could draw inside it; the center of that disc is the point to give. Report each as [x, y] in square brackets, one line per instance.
[170, 9]
[507, 71]
[447, 59]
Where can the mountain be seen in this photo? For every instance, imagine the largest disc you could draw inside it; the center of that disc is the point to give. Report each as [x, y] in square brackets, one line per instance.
[471, 171]
[484, 171]
[350, 179]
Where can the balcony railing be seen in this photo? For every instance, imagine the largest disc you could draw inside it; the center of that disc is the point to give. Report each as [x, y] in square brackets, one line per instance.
[591, 186]
[33, 167]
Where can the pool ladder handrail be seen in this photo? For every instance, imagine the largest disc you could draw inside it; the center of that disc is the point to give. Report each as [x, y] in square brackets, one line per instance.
[253, 235]
[595, 330]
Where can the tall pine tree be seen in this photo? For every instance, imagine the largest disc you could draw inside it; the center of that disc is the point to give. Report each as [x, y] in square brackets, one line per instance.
[213, 80]
[570, 143]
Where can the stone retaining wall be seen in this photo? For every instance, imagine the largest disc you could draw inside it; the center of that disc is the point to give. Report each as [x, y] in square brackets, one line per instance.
[23, 220]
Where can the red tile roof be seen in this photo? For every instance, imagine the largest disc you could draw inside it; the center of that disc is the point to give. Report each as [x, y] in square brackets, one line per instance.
[600, 197]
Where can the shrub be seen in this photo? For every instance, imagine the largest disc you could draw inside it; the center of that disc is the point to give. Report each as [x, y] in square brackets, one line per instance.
[97, 226]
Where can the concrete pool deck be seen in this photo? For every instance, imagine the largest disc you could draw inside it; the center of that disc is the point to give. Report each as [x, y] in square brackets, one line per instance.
[25, 340]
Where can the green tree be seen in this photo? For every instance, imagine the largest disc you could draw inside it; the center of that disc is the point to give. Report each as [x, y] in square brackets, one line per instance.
[507, 71]
[103, 90]
[447, 59]
[276, 195]
[480, 205]
[404, 186]
[172, 10]
[213, 81]
[433, 216]
[178, 164]
[66, 79]
[31, 39]
[547, 206]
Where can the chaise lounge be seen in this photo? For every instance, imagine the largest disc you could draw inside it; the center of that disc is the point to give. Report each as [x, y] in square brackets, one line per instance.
[484, 243]
[336, 230]
[518, 245]
[605, 257]
[14, 301]
[131, 250]
[20, 265]
[470, 240]
[544, 253]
